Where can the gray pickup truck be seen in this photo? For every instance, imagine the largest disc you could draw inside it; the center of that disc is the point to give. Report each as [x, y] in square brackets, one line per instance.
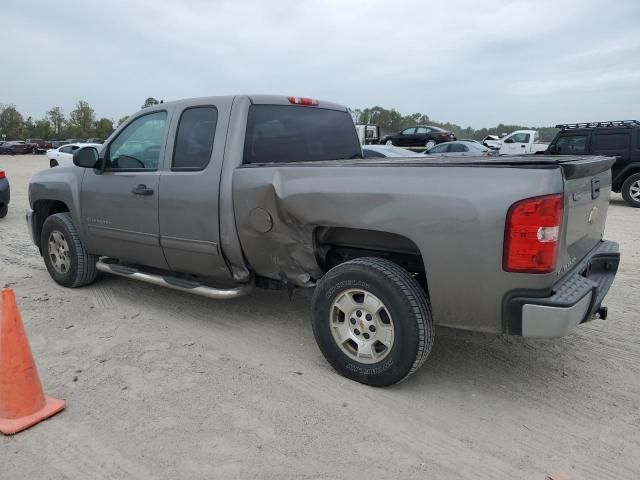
[219, 195]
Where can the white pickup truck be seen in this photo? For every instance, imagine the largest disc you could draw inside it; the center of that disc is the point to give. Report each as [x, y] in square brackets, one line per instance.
[521, 142]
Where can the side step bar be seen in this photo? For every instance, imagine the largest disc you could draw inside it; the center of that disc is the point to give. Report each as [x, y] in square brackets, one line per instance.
[175, 283]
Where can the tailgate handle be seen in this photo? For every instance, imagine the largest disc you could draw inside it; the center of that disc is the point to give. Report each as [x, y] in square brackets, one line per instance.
[595, 188]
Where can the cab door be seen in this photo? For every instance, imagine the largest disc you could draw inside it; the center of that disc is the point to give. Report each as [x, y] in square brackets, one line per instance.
[189, 187]
[120, 201]
[516, 144]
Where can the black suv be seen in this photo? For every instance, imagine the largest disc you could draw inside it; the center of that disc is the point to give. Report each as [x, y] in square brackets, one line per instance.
[620, 139]
[418, 136]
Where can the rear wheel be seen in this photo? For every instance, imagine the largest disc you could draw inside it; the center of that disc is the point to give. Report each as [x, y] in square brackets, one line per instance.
[389, 142]
[631, 190]
[4, 209]
[66, 259]
[372, 321]
[430, 144]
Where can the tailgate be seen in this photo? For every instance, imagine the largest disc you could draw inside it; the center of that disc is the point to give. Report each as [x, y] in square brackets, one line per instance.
[587, 191]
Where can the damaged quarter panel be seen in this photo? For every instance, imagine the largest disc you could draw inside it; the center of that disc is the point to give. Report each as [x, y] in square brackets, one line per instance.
[457, 226]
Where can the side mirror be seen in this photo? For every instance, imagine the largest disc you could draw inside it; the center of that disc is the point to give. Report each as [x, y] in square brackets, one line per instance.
[552, 149]
[86, 157]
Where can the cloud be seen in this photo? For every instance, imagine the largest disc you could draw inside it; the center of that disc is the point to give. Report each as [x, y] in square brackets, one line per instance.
[473, 63]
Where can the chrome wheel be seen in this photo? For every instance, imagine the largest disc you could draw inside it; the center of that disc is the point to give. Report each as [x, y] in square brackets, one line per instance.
[388, 142]
[58, 251]
[430, 144]
[634, 191]
[362, 326]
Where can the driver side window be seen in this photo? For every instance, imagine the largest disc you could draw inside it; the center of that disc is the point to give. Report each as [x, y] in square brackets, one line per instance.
[137, 147]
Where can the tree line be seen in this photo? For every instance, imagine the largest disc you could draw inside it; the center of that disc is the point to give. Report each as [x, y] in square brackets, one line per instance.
[81, 122]
[391, 121]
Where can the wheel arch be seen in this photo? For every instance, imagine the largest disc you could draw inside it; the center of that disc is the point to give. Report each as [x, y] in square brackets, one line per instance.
[625, 173]
[43, 209]
[336, 245]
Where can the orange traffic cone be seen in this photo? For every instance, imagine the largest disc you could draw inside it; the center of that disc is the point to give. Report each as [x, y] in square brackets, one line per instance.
[22, 401]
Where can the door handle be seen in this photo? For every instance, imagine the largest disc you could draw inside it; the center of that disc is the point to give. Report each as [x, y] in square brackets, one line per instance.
[142, 189]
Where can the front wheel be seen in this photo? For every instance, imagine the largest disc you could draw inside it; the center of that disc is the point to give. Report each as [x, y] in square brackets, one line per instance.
[372, 321]
[66, 259]
[430, 144]
[389, 143]
[631, 190]
[4, 209]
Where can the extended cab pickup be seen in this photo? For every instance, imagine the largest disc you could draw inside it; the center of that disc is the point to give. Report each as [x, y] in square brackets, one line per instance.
[522, 142]
[218, 195]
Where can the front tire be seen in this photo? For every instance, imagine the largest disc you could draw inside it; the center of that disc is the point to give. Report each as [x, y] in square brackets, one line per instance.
[66, 259]
[4, 209]
[53, 163]
[372, 321]
[631, 190]
[430, 144]
[389, 143]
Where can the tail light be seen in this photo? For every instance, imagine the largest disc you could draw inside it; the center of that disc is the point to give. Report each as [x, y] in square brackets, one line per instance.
[310, 102]
[2, 174]
[532, 235]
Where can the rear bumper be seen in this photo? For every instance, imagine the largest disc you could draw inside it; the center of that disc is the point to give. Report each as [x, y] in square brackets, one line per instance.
[573, 300]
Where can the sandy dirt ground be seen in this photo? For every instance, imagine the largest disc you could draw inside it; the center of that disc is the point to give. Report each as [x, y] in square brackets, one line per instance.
[164, 385]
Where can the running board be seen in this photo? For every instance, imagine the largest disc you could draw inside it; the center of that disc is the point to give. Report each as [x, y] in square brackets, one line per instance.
[175, 283]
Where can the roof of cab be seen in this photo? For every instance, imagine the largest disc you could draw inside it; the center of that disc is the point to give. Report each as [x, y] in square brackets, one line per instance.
[259, 99]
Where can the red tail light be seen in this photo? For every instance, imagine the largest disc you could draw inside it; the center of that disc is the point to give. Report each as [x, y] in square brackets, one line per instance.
[532, 235]
[2, 174]
[310, 102]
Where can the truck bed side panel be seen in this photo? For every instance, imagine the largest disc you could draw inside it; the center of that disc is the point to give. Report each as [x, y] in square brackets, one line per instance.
[449, 212]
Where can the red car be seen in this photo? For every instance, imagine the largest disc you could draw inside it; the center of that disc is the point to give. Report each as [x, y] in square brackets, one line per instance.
[41, 145]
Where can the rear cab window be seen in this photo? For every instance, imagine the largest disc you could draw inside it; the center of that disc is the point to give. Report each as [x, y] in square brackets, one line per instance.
[194, 138]
[288, 134]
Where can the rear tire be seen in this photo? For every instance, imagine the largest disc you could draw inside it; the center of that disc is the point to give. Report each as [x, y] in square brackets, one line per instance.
[389, 143]
[372, 292]
[430, 144]
[66, 259]
[631, 190]
[4, 209]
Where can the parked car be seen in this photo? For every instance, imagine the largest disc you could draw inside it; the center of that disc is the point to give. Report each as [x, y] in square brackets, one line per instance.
[460, 148]
[522, 142]
[99, 141]
[271, 191]
[17, 147]
[58, 143]
[386, 151]
[494, 142]
[63, 156]
[616, 138]
[40, 145]
[5, 194]
[418, 136]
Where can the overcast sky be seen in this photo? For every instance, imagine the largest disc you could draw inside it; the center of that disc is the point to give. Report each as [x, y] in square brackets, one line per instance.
[470, 62]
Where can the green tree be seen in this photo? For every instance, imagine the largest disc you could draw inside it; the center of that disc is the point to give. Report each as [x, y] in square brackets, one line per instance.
[56, 115]
[81, 120]
[149, 101]
[10, 122]
[28, 128]
[103, 128]
[42, 129]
